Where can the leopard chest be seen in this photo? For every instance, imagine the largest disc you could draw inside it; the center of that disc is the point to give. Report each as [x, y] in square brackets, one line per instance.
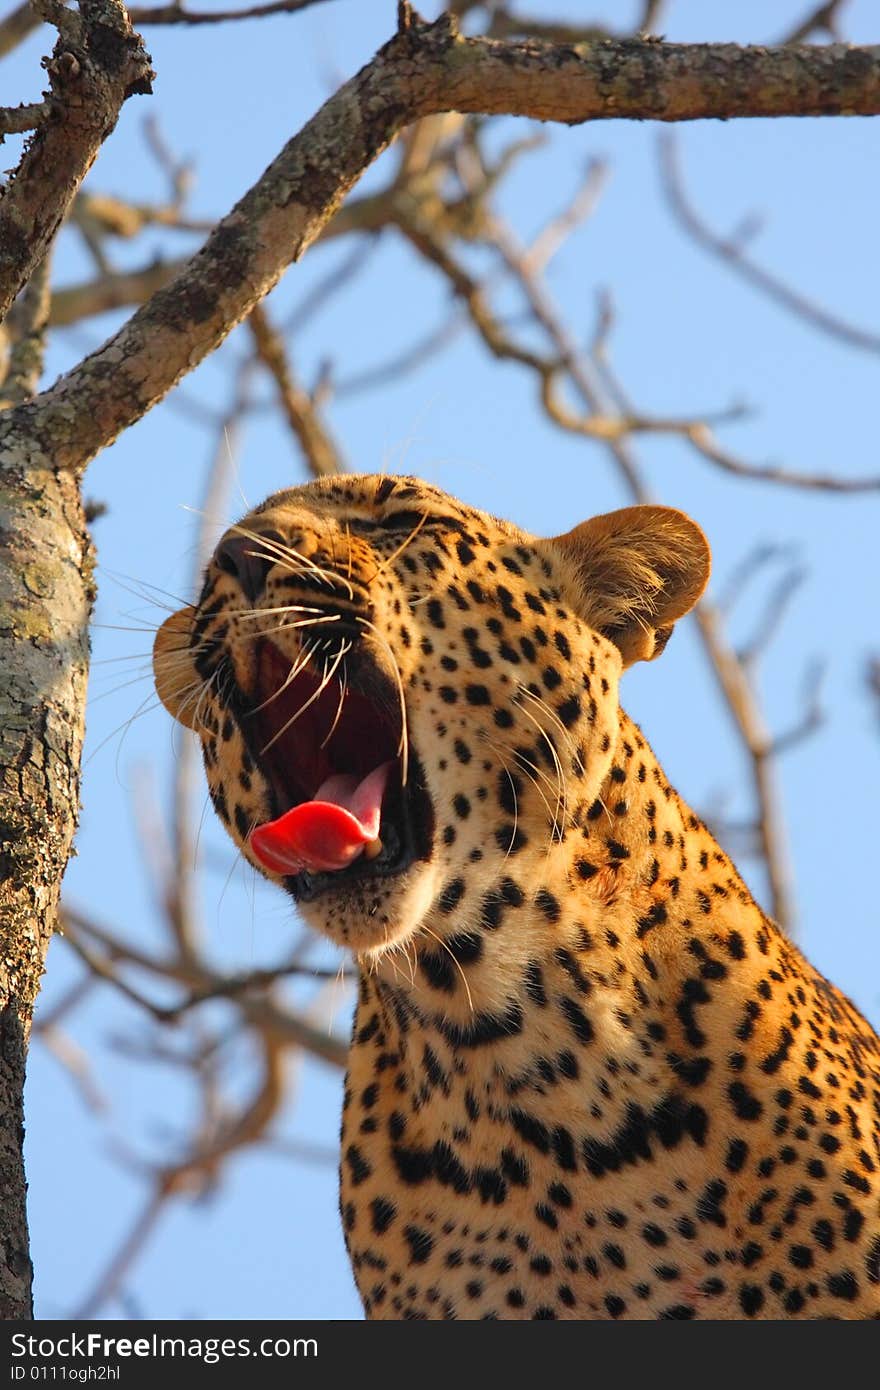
[460, 1199]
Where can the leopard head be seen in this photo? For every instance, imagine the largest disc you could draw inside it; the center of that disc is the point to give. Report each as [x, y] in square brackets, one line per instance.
[399, 696]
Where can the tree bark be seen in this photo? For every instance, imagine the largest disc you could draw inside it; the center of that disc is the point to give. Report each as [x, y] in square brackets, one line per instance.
[45, 600]
[97, 63]
[45, 584]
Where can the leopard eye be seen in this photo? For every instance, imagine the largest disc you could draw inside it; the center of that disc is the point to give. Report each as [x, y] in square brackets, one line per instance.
[402, 521]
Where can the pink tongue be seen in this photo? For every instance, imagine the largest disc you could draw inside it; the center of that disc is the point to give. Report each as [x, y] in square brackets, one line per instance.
[327, 833]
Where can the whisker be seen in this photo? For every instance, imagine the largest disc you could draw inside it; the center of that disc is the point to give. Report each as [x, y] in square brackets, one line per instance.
[560, 779]
[403, 745]
[401, 548]
[328, 676]
[343, 685]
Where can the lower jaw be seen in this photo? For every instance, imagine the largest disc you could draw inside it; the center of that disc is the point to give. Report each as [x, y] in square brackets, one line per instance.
[374, 918]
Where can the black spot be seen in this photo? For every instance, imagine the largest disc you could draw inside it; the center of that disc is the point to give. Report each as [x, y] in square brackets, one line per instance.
[358, 1166]
[434, 609]
[736, 946]
[801, 1256]
[514, 1168]
[737, 1152]
[843, 1285]
[710, 1203]
[578, 1021]
[497, 900]
[383, 1213]
[531, 1130]
[484, 1028]
[585, 869]
[509, 790]
[569, 710]
[467, 947]
[653, 918]
[510, 838]
[747, 1106]
[420, 1243]
[438, 970]
[751, 1299]
[477, 695]
[872, 1262]
[563, 1149]
[548, 905]
[774, 1061]
[451, 896]
[693, 992]
[669, 1122]
[534, 983]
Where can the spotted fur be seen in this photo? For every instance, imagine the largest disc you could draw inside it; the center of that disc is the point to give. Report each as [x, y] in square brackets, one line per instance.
[588, 1077]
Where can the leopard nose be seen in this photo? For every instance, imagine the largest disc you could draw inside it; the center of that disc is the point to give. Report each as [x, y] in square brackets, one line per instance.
[249, 558]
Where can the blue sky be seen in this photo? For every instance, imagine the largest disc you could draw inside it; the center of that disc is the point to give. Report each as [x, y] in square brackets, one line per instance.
[689, 337]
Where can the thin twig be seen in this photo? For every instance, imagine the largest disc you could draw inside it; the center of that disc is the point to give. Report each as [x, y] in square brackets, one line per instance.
[179, 14]
[319, 449]
[733, 255]
[28, 324]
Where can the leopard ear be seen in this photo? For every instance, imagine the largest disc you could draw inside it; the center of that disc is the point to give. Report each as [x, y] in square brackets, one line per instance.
[637, 571]
[175, 674]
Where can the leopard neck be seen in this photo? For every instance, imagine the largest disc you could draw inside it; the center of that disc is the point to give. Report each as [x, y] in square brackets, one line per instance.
[636, 900]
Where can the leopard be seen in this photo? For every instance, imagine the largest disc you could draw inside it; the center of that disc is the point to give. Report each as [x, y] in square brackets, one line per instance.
[588, 1077]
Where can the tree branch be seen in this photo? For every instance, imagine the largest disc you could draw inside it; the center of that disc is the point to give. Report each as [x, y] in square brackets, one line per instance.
[425, 70]
[320, 451]
[729, 250]
[178, 14]
[98, 62]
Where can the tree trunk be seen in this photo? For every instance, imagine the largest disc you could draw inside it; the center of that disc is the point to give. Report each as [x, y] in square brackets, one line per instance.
[45, 601]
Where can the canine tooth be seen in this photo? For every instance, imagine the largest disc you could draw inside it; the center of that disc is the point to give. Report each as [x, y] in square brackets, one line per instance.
[372, 848]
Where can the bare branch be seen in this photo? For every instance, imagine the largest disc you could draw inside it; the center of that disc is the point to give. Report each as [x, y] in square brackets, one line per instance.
[136, 1238]
[427, 70]
[872, 678]
[775, 610]
[701, 437]
[261, 1012]
[16, 26]
[408, 360]
[759, 747]
[14, 120]
[321, 454]
[179, 14]
[28, 323]
[731, 252]
[812, 718]
[825, 18]
[71, 303]
[98, 62]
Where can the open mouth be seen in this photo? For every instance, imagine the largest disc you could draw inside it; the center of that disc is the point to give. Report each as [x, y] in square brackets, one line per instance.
[349, 805]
